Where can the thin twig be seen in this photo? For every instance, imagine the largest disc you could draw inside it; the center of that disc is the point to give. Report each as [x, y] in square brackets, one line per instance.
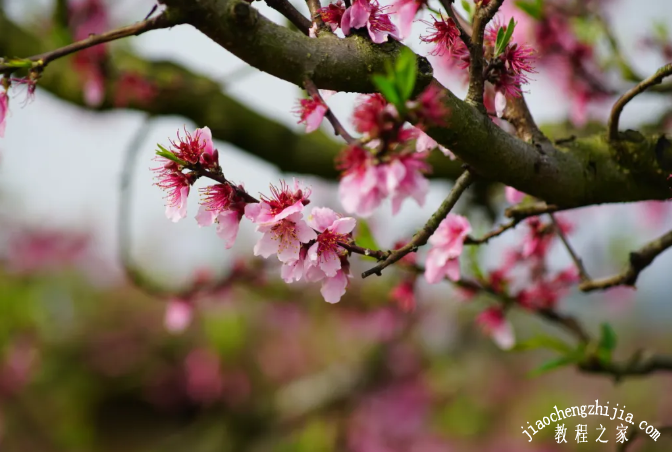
[421, 237]
[338, 127]
[616, 110]
[530, 210]
[492, 234]
[288, 10]
[42, 60]
[482, 16]
[352, 248]
[314, 7]
[639, 260]
[583, 274]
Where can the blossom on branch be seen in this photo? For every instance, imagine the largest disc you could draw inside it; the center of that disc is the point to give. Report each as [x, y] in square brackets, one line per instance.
[369, 14]
[332, 14]
[311, 111]
[405, 177]
[172, 180]
[224, 204]
[447, 244]
[363, 184]
[444, 34]
[407, 10]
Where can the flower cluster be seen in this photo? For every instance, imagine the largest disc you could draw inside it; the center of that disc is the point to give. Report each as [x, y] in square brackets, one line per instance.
[308, 248]
[191, 156]
[447, 245]
[367, 180]
[369, 14]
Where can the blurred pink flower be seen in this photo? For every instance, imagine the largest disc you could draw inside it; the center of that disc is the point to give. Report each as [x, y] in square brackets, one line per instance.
[4, 109]
[513, 196]
[363, 183]
[494, 324]
[405, 177]
[447, 244]
[203, 376]
[178, 315]
[407, 10]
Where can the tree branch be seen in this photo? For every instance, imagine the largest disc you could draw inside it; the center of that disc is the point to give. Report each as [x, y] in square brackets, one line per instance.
[575, 257]
[616, 110]
[421, 237]
[164, 20]
[336, 124]
[288, 10]
[639, 260]
[482, 16]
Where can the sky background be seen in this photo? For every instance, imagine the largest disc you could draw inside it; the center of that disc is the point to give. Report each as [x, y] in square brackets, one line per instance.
[60, 165]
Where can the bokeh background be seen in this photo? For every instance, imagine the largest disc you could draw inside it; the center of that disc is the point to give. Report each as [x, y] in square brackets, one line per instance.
[88, 361]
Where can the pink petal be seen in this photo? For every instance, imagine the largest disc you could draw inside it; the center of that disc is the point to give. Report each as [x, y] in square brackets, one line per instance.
[395, 173]
[513, 196]
[291, 271]
[228, 223]
[304, 232]
[356, 16]
[205, 217]
[315, 118]
[177, 212]
[4, 108]
[343, 225]
[407, 13]
[327, 93]
[266, 246]
[500, 103]
[205, 137]
[94, 89]
[334, 288]
[321, 218]
[252, 211]
[503, 336]
[424, 142]
[452, 269]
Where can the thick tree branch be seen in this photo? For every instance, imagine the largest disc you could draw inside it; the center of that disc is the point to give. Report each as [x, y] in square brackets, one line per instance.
[639, 260]
[331, 62]
[616, 110]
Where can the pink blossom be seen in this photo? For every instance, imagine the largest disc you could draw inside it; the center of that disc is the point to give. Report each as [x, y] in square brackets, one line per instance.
[513, 196]
[284, 201]
[4, 109]
[178, 315]
[196, 148]
[431, 109]
[284, 237]
[369, 13]
[293, 270]
[132, 88]
[332, 14]
[404, 295]
[500, 103]
[223, 204]
[171, 180]
[334, 288]
[373, 116]
[311, 113]
[405, 177]
[363, 183]
[407, 10]
[444, 34]
[447, 244]
[494, 324]
[326, 253]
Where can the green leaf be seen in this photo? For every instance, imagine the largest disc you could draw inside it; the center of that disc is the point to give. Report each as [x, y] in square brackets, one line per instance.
[543, 341]
[406, 71]
[165, 153]
[365, 237]
[387, 88]
[19, 63]
[505, 37]
[533, 9]
[607, 343]
[551, 365]
[467, 7]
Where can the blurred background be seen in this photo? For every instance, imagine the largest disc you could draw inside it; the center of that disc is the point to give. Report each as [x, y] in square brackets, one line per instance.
[91, 362]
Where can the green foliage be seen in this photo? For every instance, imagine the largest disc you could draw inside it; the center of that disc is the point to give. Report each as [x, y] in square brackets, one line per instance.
[398, 82]
[468, 9]
[569, 355]
[504, 37]
[365, 237]
[165, 153]
[607, 343]
[543, 341]
[533, 8]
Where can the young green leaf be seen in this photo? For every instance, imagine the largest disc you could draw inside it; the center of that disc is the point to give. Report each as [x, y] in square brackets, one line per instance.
[467, 7]
[365, 237]
[505, 37]
[165, 153]
[406, 71]
[387, 88]
[543, 341]
[551, 365]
